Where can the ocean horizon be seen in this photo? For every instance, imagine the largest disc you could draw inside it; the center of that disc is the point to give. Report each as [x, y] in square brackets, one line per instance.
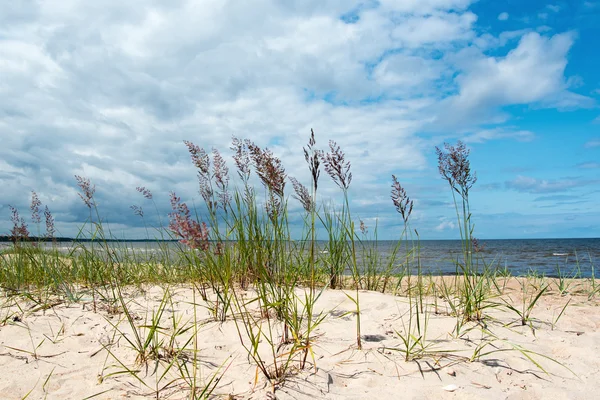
[570, 257]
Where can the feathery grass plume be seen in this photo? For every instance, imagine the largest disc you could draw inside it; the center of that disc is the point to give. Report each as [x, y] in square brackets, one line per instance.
[403, 204]
[221, 174]
[477, 246]
[337, 167]
[414, 332]
[199, 158]
[311, 155]
[137, 210]
[363, 228]
[19, 230]
[241, 157]
[35, 208]
[454, 166]
[268, 168]
[272, 175]
[339, 171]
[87, 190]
[145, 192]
[202, 161]
[302, 195]
[50, 228]
[192, 233]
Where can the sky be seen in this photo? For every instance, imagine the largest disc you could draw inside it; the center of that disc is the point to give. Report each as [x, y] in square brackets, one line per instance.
[110, 90]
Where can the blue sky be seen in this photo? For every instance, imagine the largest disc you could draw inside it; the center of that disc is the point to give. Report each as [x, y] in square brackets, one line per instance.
[110, 90]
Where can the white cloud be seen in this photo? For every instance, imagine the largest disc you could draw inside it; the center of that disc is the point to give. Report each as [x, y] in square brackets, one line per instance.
[532, 73]
[437, 30]
[110, 90]
[503, 16]
[445, 224]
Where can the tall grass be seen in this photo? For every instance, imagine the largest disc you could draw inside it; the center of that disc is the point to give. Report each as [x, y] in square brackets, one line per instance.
[237, 251]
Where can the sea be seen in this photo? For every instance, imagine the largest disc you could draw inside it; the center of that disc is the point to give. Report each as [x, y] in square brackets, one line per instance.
[545, 257]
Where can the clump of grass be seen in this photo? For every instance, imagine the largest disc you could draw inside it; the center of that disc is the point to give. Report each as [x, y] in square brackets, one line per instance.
[454, 167]
[338, 169]
[413, 333]
[529, 297]
[236, 249]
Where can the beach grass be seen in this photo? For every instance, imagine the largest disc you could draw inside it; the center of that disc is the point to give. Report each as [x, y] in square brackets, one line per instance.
[237, 259]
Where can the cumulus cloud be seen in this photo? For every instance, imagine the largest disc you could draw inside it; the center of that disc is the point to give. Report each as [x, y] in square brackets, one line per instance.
[109, 91]
[503, 16]
[532, 73]
[445, 224]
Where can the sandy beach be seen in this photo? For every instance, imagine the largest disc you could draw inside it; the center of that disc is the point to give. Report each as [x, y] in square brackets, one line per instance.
[69, 351]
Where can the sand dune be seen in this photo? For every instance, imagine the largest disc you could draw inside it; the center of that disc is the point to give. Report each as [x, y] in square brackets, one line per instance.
[68, 351]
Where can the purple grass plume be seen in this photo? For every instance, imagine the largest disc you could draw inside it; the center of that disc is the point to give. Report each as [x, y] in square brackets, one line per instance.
[403, 204]
[302, 195]
[191, 233]
[145, 192]
[221, 175]
[272, 175]
[201, 160]
[199, 157]
[19, 230]
[87, 190]
[477, 245]
[363, 228]
[312, 155]
[454, 166]
[50, 228]
[241, 157]
[35, 208]
[337, 167]
[137, 210]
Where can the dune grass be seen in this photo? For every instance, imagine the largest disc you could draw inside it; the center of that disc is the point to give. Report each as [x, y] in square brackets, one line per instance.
[238, 254]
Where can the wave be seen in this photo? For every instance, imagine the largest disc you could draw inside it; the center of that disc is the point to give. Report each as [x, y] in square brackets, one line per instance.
[560, 254]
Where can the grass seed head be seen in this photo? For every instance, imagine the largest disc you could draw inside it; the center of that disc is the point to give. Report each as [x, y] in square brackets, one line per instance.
[312, 155]
[19, 230]
[403, 204]
[241, 157]
[221, 174]
[145, 192]
[336, 166]
[202, 161]
[191, 233]
[87, 190]
[50, 228]
[137, 210]
[302, 195]
[454, 166]
[35, 208]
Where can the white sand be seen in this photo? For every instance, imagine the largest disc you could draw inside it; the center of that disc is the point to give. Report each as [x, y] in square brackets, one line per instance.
[58, 353]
